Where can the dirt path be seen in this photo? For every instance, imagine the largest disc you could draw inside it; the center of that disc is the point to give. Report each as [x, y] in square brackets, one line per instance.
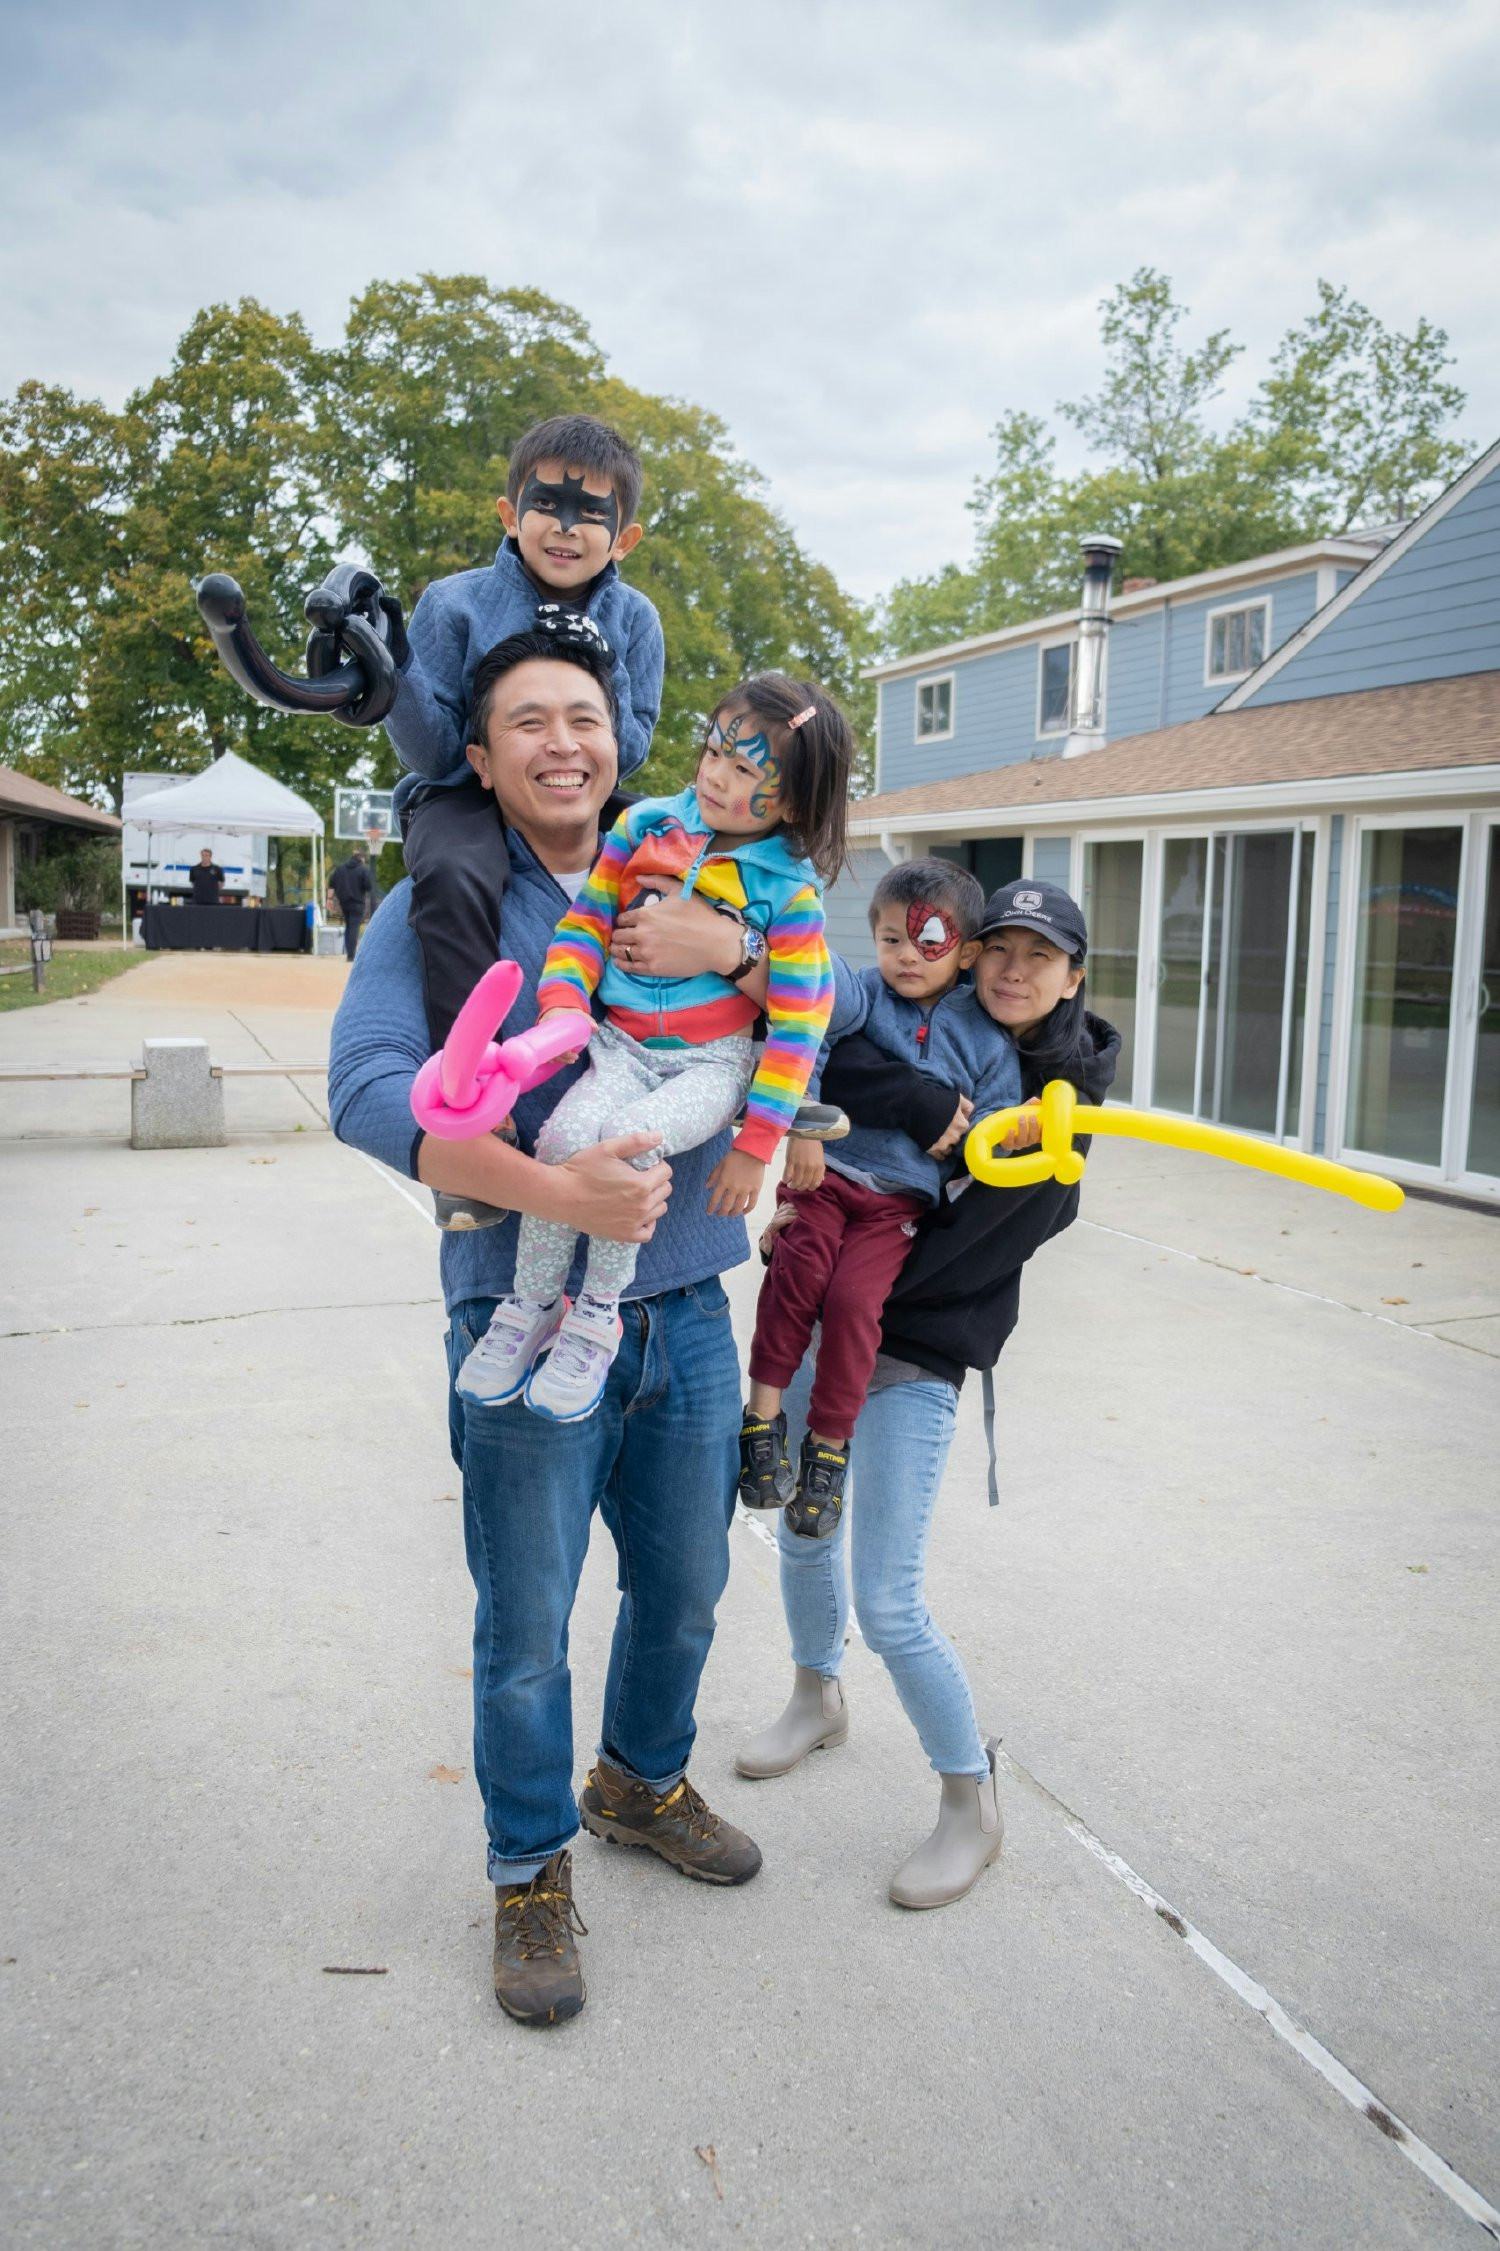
[213, 980]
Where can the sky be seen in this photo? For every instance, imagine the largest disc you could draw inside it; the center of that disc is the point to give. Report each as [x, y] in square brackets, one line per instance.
[857, 230]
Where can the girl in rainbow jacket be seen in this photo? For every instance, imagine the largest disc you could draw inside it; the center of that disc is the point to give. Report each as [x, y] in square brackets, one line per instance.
[758, 833]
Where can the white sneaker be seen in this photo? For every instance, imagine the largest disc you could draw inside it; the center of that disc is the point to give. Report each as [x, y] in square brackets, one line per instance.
[569, 1384]
[496, 1370]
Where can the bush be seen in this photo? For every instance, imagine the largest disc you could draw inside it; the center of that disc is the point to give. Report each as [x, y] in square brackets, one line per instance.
[78, 878]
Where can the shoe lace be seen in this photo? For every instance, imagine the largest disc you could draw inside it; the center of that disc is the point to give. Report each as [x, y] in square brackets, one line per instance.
[577, 1353]
[508, 1333]
[701, 1822]
[817, 1479]
[544, 1914]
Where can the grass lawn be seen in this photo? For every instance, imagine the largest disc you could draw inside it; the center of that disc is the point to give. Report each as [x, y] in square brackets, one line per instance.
[70, 972]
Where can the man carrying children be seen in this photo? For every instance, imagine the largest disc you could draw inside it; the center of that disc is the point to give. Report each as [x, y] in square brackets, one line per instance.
[546, 734]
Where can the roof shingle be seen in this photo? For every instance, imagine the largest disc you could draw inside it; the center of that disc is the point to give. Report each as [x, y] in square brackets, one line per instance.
[1421, 728]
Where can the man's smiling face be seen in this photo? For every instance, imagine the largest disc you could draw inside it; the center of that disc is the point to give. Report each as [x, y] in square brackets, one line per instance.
[551, 758]
[566, 523]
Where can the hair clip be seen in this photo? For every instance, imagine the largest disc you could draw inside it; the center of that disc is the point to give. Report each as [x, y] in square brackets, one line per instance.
[803, 716]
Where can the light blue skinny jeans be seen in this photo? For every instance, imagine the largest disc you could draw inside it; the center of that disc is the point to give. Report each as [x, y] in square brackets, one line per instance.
[897, 1458]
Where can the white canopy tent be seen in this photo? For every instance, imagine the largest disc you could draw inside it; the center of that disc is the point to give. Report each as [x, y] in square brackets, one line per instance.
[235, 798]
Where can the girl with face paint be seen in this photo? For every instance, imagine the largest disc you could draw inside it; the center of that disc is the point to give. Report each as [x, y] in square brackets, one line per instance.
[756, 837]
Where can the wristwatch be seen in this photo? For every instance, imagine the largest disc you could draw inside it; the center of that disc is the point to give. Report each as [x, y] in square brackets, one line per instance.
[752, 950]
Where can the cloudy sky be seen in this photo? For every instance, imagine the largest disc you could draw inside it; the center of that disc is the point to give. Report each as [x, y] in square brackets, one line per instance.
[858, 230]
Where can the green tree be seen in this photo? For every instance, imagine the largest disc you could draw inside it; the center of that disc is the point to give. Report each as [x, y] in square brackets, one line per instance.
[105, 519]
[260, 454]
[1352, 414]
[1348, 425]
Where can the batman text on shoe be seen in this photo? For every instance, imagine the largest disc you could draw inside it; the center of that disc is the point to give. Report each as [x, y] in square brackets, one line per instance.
[676, 1824]
[538, 1976]
[766, 1476]
[814, 1509]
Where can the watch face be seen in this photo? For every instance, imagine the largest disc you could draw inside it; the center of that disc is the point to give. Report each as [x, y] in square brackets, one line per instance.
[753, 943]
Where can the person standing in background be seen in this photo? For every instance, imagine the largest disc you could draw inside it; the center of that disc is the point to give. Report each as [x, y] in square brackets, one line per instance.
[205, 880]
[351, 886]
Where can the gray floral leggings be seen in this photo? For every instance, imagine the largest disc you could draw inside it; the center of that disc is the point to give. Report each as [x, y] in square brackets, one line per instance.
[684, 1095]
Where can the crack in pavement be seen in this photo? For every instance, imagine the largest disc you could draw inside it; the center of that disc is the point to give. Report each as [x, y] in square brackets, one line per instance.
[1293, 1289]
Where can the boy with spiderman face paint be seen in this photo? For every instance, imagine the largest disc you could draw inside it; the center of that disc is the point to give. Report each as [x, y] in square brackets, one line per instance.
[569, 511]
[858, 1206]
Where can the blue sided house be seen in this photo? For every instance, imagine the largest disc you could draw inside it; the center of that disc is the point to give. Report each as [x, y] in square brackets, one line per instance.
[1276, 790]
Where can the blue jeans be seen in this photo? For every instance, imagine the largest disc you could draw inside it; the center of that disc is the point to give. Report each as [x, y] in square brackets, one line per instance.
[899, 1452]
[660, 1459]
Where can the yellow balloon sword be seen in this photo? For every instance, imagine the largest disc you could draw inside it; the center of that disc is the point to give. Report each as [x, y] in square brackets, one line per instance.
[1063, 1115]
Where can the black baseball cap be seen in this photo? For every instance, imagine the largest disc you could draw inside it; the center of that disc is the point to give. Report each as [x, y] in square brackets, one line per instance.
[1043, 907]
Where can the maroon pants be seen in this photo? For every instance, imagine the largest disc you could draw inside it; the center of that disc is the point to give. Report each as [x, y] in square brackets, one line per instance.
[836, 1262]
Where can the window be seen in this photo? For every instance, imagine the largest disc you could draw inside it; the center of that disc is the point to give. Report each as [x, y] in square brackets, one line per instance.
[1055, 702]
[1237, 640]
[934, 708]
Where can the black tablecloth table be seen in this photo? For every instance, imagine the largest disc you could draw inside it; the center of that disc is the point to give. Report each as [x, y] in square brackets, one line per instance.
[246, 930]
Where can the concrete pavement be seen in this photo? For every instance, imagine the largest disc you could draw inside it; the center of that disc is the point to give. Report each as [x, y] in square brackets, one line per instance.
[1233, 1619]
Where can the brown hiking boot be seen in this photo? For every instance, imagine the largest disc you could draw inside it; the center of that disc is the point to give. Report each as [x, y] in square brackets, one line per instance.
[678, 1825]
[538, 1976]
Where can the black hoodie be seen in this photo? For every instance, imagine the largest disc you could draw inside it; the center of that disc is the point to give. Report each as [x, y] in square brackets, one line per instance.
[957, 1298]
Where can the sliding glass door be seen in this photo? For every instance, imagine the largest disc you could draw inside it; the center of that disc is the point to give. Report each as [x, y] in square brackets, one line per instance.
[1232, 977]
[1483, 1138]
[1112, 909]
[1406, 943]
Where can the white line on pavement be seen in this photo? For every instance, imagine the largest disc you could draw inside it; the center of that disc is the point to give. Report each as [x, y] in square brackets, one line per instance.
[382, 1172]
[1245, 1988]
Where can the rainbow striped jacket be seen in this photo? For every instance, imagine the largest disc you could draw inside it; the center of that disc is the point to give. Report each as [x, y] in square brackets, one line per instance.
[759, 881]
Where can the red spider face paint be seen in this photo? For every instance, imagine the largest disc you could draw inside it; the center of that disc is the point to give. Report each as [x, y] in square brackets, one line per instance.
[932, 930]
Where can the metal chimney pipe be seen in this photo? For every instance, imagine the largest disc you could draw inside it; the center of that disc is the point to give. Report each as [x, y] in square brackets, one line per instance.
[1086, 731]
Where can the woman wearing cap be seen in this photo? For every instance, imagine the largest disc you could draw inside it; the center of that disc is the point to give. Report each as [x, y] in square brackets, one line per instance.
[952, 1308]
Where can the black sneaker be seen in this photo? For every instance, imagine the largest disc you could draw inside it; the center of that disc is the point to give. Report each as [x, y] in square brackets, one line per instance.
[538, 1976]
[815, 1508]
[767, 1479]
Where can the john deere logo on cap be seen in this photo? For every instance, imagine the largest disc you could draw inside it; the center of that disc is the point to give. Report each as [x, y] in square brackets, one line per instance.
[1027, 902]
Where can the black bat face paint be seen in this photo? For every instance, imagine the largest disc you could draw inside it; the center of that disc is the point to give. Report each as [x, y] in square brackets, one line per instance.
[570, 504]
[932, 930]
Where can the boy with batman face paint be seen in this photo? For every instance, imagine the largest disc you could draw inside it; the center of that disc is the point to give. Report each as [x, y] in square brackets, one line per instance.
[573, 487]
[858, 1207]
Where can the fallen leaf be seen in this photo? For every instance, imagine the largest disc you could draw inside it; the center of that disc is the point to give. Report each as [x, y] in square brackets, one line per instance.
[260, 1160]
[709, 2156]
[446, 1773]
[1419, 1568]
[445, 1496]
[89, 1210]
[348, 1969]
[1395, 1301]
[463, 1672]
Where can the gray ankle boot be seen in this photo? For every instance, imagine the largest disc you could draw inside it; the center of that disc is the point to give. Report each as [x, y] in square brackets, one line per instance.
[816, 1717]
[970, 1830]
